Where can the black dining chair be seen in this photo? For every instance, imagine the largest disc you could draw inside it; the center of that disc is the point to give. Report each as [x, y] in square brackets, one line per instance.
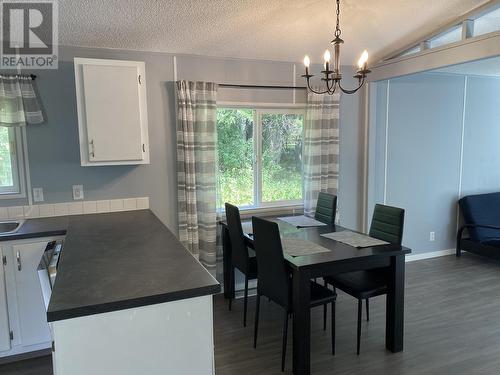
[240, 256]
[275, 281]
[326, 208]
[387, 225]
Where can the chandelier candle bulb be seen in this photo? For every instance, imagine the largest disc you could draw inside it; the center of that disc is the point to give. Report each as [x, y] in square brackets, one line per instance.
[327, 58]
[307, 62]
[363, 60]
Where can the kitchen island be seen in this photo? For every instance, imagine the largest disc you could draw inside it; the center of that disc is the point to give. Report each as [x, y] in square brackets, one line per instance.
[129, 299]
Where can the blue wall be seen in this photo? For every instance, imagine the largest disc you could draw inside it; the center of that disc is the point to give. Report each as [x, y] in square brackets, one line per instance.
[54, 151]
[425, 118]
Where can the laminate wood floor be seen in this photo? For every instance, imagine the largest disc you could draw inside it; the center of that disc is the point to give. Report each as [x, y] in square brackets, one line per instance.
[452, 326]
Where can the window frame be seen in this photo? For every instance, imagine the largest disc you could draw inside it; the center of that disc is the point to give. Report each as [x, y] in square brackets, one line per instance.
[18, 189]
[260, 109]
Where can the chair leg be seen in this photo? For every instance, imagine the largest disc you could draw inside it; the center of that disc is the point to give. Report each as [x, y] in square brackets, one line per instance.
[333, 328]
[367, 310]
[245, 302]
[256, 325]
[285, 335]
[360, 308]
[231, 285]
[324, 316]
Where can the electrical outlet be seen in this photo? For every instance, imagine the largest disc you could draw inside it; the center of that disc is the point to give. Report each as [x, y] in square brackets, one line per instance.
[432, 236]
[77, 192]
[38, 194]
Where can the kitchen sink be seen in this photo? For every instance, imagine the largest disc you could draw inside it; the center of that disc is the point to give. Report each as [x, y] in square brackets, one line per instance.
[8, 227]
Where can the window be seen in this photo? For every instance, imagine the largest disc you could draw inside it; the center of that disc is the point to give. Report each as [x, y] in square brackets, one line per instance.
[487, 23]
[9, 164]
[450, 36]
[259, 156]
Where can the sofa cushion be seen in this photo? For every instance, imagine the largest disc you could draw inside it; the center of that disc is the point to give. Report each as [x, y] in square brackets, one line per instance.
[482, 209]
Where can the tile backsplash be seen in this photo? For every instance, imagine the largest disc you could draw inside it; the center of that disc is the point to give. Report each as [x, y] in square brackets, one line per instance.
[73, 208]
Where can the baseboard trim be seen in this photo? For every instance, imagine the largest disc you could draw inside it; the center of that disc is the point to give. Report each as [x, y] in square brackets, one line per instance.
[429, 255]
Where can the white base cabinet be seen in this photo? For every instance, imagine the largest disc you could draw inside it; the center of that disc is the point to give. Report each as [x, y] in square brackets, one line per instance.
[23, 320]
[168, 338]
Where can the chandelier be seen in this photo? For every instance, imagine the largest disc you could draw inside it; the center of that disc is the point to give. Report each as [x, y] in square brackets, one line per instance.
[332, 78]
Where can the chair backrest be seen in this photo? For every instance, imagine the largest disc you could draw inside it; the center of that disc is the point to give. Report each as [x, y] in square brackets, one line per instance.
[273, 278]
[239, 250]
[326, 208]
[387, 224]
[481, 209]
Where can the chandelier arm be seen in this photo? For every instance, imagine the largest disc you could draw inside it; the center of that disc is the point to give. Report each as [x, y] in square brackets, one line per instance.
[314, 91]
[345, 91]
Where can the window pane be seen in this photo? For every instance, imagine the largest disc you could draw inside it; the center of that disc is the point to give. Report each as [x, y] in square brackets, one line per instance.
[487, 23]
[235, 156]
[5, 158]
[281, 157]
[453, 35]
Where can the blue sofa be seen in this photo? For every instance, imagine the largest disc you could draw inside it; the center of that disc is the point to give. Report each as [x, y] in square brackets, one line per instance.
[481, 215]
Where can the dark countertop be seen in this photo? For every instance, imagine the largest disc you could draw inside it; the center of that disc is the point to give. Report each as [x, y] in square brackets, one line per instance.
[44, 227]
[118, 261]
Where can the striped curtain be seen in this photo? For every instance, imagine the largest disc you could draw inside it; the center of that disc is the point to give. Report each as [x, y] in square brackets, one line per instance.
[18, 102]
[196, 141]
[321, 148]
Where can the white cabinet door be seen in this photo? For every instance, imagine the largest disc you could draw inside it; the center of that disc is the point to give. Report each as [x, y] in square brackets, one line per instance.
[112, 113]
[4, 317]
[31, 308]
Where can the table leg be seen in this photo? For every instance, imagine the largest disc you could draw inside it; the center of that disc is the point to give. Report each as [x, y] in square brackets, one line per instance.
[301, 323]
[228, 269]
[395, 305]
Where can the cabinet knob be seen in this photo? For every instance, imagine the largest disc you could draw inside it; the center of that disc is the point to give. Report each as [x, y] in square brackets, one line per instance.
[18, 259]
[92, 148]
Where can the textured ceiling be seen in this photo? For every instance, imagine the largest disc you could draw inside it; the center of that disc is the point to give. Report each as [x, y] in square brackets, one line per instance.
[282, 30]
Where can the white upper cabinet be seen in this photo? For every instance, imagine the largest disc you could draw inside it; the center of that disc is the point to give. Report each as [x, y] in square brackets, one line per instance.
[112, 112]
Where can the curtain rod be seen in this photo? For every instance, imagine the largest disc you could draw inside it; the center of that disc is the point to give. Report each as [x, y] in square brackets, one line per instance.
[262, 87]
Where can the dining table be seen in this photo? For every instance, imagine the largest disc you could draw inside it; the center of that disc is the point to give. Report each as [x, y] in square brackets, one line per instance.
[339, 259]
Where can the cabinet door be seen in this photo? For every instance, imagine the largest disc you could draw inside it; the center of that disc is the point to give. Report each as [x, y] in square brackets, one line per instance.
[4, 317]
[31, 308]
[112, 112]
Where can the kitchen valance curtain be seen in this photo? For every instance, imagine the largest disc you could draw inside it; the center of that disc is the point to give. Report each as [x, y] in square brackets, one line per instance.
[18, 102]
[321, 148]
[196, 169]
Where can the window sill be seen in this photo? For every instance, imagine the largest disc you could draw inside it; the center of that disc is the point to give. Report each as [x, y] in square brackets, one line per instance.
[276, 209]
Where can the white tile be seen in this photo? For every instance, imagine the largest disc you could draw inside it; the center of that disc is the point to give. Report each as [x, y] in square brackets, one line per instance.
[60, 209]
[4, 213]
[89, 207]
[31, 211]
[46, 210]
[75, 208]
[142, 203]
[129, 204]
[116, 205]
[15, 212]
[102, 206]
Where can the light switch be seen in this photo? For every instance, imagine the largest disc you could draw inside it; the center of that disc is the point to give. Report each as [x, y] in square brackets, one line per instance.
[38, 194]
[77, 192]
[432, 236]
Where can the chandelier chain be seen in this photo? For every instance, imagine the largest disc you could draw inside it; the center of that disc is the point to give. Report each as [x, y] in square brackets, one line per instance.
[337, 28]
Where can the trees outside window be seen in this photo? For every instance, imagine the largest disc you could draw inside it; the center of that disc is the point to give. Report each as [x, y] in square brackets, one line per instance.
[259, 156]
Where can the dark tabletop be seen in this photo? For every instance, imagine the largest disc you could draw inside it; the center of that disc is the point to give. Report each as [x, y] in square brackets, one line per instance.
[339, 252]
[122, 260]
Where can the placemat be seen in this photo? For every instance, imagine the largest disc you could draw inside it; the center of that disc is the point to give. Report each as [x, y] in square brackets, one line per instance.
[354, 239]
[297, 247]
[301, 221]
